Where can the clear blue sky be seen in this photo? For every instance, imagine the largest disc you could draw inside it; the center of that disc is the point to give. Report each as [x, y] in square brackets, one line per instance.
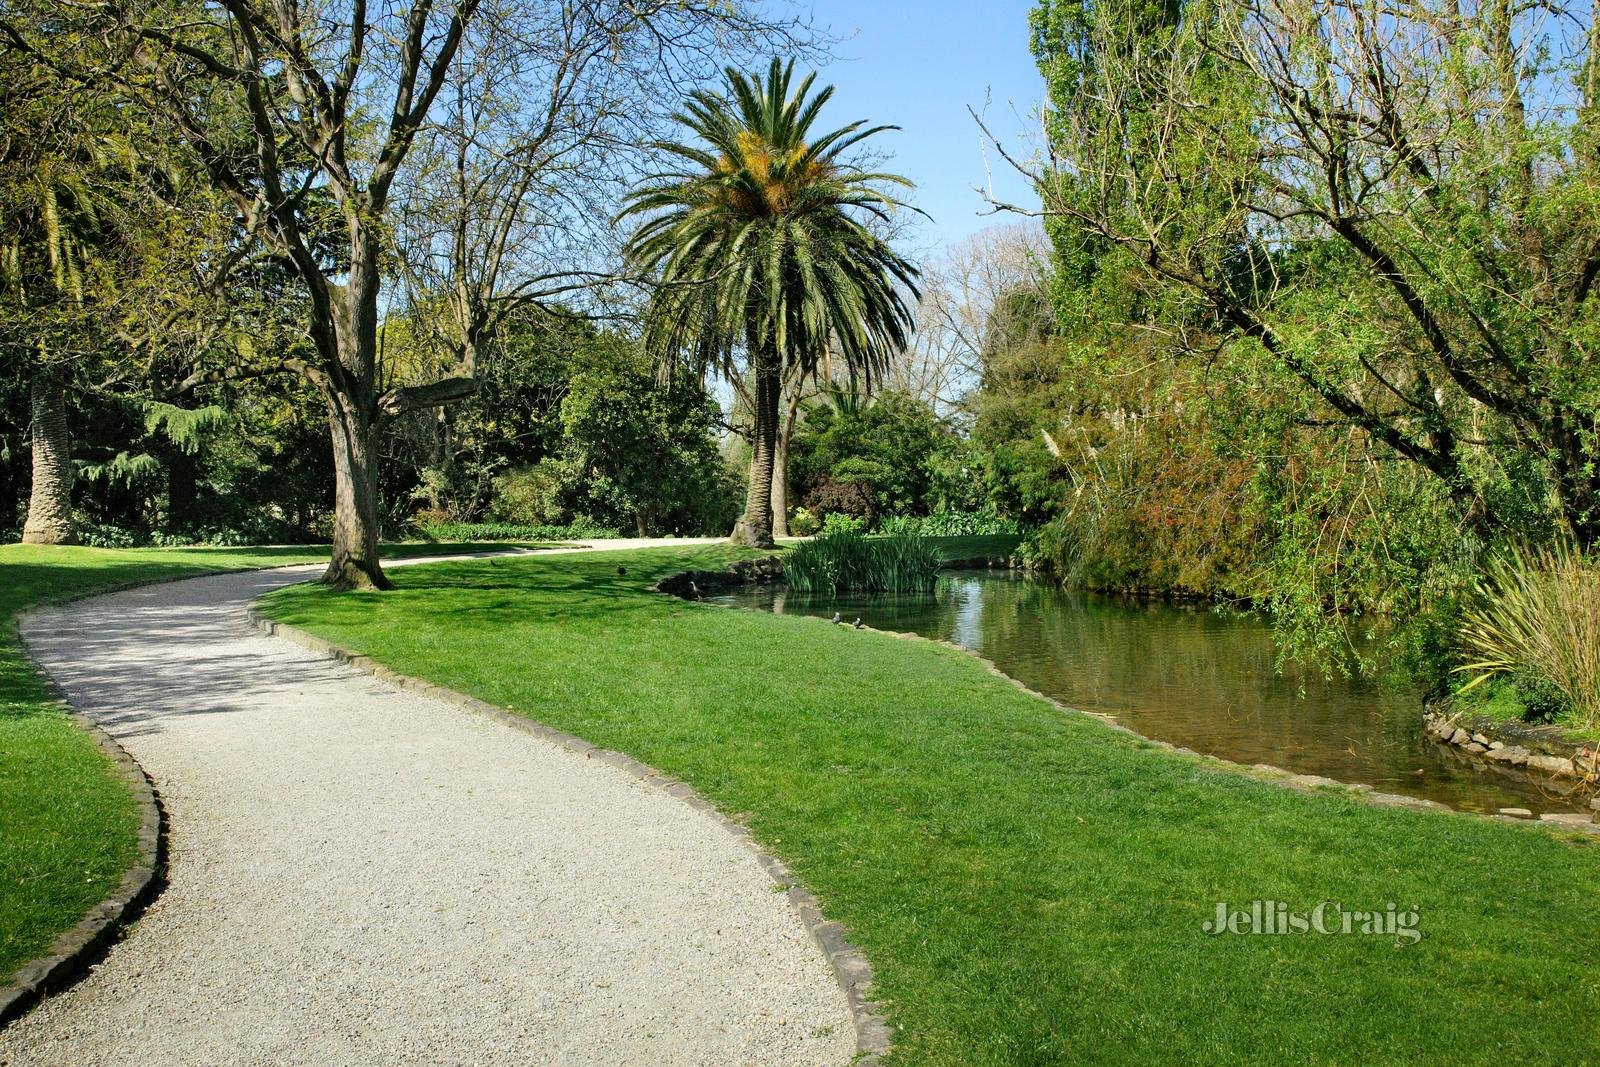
[918, 64]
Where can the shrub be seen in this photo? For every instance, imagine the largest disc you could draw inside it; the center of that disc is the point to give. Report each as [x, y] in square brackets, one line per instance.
[532, 496]
[847, 561]
[832, 497]
[840, 523]
[102, 535]
[950, 524]
[1537, 619]
[803, 523]
[900, 524]
[579, 528]
[967, 524]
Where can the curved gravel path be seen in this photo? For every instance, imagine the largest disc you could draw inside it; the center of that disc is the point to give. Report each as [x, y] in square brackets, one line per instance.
[362, 875]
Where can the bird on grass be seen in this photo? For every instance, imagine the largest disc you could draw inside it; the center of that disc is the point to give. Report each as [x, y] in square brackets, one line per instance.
[837, 618]
[857, 623]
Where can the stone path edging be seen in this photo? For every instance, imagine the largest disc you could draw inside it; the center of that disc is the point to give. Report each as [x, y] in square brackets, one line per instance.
[70, 952]
[68, 956]
[850, 966]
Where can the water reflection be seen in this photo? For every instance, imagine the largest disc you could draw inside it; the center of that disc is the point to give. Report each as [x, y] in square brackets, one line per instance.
[1187, 675]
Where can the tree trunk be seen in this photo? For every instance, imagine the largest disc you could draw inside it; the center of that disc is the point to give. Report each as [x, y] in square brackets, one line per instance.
[347, 338]
[1577, 486]
[780, 461]
[780, 485]
[755, 529]
[50, 504]
[354, 429]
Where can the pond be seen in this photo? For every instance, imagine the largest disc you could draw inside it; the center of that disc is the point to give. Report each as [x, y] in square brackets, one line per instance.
[1185, 674]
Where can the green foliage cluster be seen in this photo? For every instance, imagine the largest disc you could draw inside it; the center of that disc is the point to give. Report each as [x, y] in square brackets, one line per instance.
[457, 532]
[888, 461]
[1247, 383]
[838, 522]
[951, 524]
[1296, 358]
[803, 523]
[868, 458]
[571, 424]
[1536, 623]
[847, 561]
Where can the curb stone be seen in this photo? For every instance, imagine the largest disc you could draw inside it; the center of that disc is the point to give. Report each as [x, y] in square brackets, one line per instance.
[850, 966]
[70, 954]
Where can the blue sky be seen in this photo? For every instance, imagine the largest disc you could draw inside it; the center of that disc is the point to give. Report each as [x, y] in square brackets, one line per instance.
[918, 64]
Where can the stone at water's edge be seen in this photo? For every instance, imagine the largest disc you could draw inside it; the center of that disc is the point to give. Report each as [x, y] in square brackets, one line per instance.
[690, 585]
[1563, 818]
[1543, 750]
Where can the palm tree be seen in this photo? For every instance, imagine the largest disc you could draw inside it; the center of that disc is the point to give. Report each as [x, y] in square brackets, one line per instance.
[761, 251]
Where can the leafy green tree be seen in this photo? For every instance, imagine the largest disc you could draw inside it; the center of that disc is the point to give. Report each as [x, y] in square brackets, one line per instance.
[92, 264]
[761, 254]
[360, 143]
[889, 446]
[642, 450]
[1398, 207]
[449, 459]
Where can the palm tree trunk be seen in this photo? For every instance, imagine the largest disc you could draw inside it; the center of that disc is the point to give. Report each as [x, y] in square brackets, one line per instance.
[50, 504]
[780, 458]
[780, 485]
[755, 529]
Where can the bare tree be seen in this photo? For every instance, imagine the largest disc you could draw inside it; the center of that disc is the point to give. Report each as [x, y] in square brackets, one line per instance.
[963, 289]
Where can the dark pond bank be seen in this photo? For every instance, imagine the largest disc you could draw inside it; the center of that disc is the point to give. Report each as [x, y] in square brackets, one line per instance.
[1187, 675]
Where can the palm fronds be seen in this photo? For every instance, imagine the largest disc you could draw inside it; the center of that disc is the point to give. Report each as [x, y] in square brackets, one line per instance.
[760, 241]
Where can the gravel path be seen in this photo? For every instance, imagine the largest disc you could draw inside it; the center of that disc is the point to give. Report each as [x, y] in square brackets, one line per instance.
[361, 875]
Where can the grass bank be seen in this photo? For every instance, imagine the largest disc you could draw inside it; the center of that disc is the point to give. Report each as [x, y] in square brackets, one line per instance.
[977, 546]
[1031, 886]
[67, 823]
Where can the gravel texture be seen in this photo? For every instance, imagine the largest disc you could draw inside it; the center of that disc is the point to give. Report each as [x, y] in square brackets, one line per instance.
[363, 875]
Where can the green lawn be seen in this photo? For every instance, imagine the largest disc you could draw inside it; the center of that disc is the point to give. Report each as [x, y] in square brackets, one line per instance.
[977, 545]
[1030, 885]
[67, 823]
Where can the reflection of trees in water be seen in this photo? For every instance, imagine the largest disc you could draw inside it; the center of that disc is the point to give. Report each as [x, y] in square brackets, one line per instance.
[1185, 673]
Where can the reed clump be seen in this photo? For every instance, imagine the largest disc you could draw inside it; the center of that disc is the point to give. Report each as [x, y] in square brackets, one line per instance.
[846, 561]
[1537, 617]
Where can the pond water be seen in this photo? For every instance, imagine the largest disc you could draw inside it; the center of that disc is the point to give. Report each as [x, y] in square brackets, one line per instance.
[1185, 674]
